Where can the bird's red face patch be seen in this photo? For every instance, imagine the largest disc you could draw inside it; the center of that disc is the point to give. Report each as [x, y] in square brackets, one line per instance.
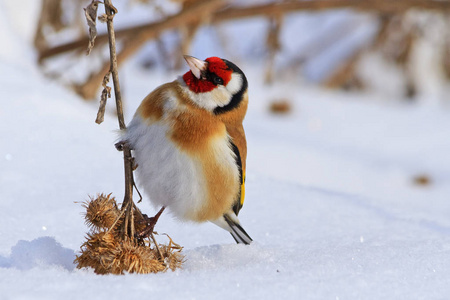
[216, 67]
[197, 85]
[220, 68]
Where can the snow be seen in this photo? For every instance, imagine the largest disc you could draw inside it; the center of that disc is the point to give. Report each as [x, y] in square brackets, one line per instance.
[330, 198]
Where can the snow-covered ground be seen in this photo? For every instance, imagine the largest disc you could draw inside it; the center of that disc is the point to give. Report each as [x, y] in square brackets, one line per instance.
[330, 198]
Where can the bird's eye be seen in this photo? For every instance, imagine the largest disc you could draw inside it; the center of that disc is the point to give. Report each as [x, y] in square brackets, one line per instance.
[217, 80]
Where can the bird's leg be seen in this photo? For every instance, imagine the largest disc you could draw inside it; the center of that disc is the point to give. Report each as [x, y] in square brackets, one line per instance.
[150, 222]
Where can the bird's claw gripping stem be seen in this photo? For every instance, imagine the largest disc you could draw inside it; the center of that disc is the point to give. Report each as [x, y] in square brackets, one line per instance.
[120, 145]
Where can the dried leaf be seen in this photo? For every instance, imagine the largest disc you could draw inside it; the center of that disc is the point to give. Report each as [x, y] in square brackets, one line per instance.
[106, 93]
[106, 80]
[91, 15]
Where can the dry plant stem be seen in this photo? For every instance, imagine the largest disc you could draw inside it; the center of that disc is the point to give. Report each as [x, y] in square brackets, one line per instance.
[130, 208]
[156, 246]
[122, 211]
[128, 204]
[129, 181]
[127, 220]
[110, 11]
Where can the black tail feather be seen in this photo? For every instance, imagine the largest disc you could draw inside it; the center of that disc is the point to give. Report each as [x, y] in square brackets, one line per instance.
[237, 232]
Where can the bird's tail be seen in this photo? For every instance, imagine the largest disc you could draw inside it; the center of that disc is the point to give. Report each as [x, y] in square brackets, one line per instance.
[238, 233]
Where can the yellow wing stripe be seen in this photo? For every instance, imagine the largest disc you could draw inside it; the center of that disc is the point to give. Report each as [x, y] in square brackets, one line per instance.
[243, 189]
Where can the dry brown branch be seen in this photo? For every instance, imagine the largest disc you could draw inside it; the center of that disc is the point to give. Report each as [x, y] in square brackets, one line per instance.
[51, 15]
[380, 6]
[211, 7]
[128, 205]
[393, 40]
[447, 60]
[110, 11]
[187, 36]
[344, 76]
[187, 33]
[144, 32]
[197, 12]
[273, 45]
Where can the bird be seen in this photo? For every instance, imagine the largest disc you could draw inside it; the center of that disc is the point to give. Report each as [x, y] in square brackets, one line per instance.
[189, 145]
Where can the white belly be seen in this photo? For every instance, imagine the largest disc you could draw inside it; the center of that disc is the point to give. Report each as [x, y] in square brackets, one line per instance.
[169, 177]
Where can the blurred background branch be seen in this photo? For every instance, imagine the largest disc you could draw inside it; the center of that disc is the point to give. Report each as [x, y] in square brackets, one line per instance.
[401, 30]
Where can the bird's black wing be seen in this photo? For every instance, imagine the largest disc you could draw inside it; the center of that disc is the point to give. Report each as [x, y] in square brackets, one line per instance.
[239, 202]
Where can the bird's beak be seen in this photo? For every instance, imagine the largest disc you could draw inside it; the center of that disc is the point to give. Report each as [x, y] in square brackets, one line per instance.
[196, 65]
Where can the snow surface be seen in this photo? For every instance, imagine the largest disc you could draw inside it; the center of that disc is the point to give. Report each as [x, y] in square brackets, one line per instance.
[330, 200]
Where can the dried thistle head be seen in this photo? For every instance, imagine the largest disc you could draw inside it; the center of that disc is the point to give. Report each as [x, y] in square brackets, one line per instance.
[173, 258]
[98, 252]
[107, 254]
[172, 254]
[108, 251]
[134, 258]
[101, 212]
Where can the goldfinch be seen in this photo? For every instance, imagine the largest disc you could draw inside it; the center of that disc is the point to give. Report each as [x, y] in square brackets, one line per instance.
[189, 144]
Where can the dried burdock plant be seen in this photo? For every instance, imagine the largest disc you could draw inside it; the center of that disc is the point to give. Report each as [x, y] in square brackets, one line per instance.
[101, 212]
[120, 240]
[107, 252]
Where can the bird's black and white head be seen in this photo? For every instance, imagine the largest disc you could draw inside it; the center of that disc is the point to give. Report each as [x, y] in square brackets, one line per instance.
[216, 84]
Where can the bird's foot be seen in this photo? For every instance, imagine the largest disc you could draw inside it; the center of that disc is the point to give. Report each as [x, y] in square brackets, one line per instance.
[121, 145]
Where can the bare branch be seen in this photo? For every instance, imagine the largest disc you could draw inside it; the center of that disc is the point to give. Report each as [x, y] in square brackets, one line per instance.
[276, 8]
[190, 15]
[110, 12]
[129, 226]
